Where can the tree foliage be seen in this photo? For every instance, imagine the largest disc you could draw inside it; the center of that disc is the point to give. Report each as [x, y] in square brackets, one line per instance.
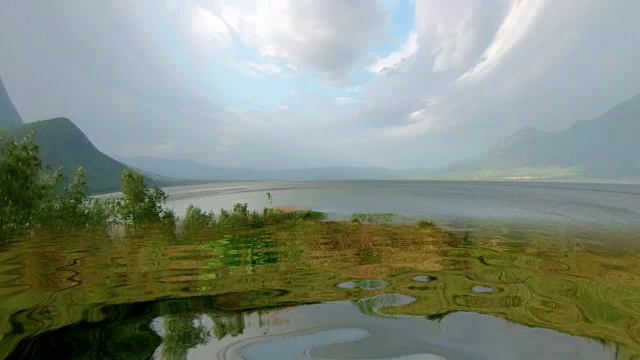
[142, 206]
[32, 197]
[195, 220]
[25, 190]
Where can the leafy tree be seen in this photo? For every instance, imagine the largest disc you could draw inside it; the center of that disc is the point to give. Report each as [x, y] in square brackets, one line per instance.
[143, 206]
[195, 219]
[75, 209]
[29, 199]
[72, 206]
[28, 196]
[26, 192]
[239, 216]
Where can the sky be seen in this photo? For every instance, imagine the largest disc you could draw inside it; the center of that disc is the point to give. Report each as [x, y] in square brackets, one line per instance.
[312, 83]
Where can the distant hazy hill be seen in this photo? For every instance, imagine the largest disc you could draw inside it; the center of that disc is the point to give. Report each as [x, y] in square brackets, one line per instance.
[189, 169]
[607, 147]
[8, 114]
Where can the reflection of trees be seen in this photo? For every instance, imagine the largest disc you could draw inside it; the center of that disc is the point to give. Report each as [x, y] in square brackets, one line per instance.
[182, 333]
[115, 340]
[231, 324]
[120, 339]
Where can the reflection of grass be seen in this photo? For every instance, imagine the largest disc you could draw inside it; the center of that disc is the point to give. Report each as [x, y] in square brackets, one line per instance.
[562, 280]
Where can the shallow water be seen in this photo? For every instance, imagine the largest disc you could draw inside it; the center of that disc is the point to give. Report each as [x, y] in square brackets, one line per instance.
[447, 202]
[324, 291]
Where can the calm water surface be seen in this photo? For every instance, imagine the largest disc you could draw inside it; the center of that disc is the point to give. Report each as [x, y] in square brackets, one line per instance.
[443, 201]
[563, 283]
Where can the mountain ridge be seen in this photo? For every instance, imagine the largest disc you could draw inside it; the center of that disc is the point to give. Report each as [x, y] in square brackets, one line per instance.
[9, 115]
[191, 169]
[63, 144]
[605, 147]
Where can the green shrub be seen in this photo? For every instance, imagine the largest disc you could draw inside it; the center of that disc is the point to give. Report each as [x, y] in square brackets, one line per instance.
[195, 219]
[239, 216]
[310, 215]
[426, 224]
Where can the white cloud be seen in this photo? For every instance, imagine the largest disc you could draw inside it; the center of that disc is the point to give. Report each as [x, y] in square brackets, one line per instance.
[414, 129]
[207, 26]
[283, 107]
[539, 78]
[456, 32]
[269, 69]
[330, 37]
[394, 59]
[416, 114]
[420, 122]
[366, 109]
[231, 16]
[454, 45]
[514, 28]
[340, 100]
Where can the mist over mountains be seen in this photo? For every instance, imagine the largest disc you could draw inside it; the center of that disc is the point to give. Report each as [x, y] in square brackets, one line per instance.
[606, 147]
[184, 168]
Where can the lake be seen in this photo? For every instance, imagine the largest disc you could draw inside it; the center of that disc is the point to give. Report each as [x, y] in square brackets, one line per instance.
[442, 201]
[515, 271]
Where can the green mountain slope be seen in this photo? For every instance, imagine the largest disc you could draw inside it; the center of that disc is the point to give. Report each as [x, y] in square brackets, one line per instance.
[64, 144]
[8, 114]
[607, 147]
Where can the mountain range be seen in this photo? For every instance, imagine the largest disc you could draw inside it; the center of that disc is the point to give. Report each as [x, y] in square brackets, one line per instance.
[603, 148]
[184, 168]
[606, 147]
